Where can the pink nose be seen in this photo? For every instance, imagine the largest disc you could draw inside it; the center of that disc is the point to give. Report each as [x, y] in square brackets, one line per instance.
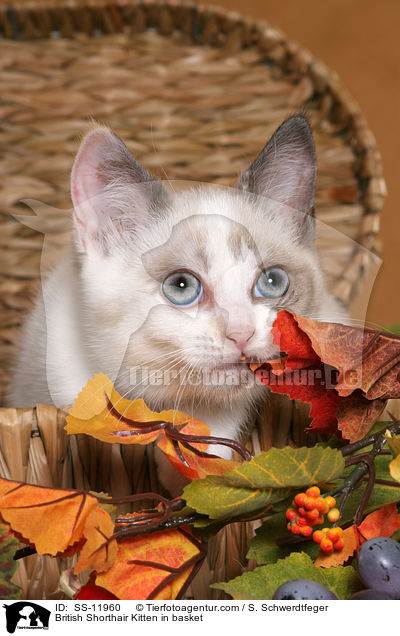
[241, 338]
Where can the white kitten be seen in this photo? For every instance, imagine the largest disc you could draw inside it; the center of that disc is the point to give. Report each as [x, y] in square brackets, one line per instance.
[158, 282]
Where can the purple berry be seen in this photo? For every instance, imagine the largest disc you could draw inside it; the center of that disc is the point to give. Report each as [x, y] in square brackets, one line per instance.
[372, 595]
[379, 565]
[303, 589]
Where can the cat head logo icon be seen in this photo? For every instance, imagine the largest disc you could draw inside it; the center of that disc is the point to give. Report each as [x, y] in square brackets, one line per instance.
[26, 615]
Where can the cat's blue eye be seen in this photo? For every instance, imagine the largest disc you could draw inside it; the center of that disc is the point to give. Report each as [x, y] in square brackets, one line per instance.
[272, 283]
[182, 288]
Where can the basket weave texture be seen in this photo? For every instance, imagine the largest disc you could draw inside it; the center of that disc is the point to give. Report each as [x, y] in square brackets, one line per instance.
[195, 92]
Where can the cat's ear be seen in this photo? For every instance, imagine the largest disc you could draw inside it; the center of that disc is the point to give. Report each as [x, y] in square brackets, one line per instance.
[285, 171]
[111, 192]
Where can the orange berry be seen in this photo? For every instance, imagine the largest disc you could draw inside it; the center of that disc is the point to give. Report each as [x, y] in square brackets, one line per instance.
[326, 546]
[331, 501]
[333, 515]
[309, 503]
[318, 535]
[338, 545]
[300, 498]
[302, 521]
[312, 514]
[295, 528]
[301, 512]
[334, 534]
[306, 531]
[319, 520]
[291, 514]
[314, 492]
[320, 504]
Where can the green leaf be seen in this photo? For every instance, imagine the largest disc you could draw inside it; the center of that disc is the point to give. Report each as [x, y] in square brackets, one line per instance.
[204, 527]
[269, 478]
[8, 547]
[261, 583]
[288, 467]
[263, 547]
[212, 496]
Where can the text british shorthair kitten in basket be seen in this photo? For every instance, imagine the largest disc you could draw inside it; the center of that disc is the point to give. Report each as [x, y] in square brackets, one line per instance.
[161, 290]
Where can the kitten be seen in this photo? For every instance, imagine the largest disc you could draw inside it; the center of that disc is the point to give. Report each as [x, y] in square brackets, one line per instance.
[158, 283]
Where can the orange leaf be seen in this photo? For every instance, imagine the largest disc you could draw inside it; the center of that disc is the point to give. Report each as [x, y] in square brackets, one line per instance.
[380, 523]
[339, 557]
[98, 552]
[101, 412]
[152, 566]
[198, 466]
[35, 512]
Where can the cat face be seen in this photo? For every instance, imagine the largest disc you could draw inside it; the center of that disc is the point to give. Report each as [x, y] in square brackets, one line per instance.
[181, 289]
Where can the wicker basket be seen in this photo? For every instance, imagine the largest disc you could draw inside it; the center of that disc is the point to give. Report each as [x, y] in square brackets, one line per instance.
[194, 91]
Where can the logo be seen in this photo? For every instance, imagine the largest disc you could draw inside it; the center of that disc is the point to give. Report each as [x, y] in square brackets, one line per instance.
[26, 615]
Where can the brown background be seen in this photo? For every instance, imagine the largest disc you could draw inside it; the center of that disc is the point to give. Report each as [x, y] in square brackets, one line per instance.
[359, 39]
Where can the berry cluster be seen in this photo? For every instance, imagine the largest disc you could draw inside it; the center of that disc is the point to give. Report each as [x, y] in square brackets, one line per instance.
[308, 509]
[329, 539]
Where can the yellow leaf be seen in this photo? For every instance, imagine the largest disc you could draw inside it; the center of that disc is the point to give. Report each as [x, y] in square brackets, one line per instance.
[101, 412]
[394, 468]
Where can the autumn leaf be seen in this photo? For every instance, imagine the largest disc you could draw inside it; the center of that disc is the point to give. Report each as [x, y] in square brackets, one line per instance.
[99, 550]
[8, 566]
[380, 523]
[262, 582]
[394, 468]
[101, 412]
[198, 460]
[36, 512]
[267, 479]
[394, 444]
[155, 566]
[345, 373]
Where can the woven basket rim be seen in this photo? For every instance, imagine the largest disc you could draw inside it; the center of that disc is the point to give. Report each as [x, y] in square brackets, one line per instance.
[15, 16]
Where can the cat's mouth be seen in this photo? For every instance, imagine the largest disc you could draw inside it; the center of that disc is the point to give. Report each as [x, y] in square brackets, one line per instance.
[231, 366]
[249, 363]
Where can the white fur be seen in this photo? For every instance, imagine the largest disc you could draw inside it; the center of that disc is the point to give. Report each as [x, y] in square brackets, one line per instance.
[103, 309]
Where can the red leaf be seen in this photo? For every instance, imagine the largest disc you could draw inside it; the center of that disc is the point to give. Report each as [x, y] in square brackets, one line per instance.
[293, 341]
[90, 592]
[345, 373]
[380, 523]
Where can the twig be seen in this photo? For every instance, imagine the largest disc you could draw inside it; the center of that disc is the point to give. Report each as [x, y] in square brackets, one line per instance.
[172, 432]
